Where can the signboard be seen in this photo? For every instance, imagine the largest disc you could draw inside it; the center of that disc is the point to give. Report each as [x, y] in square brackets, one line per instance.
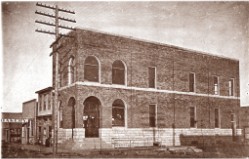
[14, 120]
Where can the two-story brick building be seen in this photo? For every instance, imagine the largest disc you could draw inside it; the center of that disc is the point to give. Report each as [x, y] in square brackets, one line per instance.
[44, 115]
[124, 90]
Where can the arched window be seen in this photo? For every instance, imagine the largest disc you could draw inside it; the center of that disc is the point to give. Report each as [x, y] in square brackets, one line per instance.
[71, 65]
[118, 72]
[118, 113]
[91, 69]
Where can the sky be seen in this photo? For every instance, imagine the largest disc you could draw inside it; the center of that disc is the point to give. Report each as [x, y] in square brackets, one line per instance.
[219, 28]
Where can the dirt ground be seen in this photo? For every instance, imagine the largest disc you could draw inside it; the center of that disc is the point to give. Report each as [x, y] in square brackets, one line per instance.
[225, 151]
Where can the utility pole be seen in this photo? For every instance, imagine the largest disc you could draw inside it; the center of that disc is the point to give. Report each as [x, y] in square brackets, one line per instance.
[55, 57]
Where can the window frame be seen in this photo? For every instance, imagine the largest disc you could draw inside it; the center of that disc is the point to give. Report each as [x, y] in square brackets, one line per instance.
[125, 113]
[40, 103]
[125, 72]
[154, 116]
[218, 85]
[217, 123]
[231, 90]
[190, 117]
[155, 77]
[71, 70]
[194, 83]
[99, 70]
[45, 102]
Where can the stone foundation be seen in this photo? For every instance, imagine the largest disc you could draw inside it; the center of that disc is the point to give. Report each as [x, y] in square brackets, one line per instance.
[135, 137]
[66, 134]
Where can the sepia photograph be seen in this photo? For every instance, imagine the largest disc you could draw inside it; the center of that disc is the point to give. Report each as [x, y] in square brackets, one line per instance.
[125, 79]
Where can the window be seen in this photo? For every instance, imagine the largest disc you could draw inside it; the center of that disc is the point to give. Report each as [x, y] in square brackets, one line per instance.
[71, 65]
[216, 85]
[231, 87]
[118, 113]
[118, 73]
[216, 118]
[152, 77]
[45, 102]
[152, 115]
[91, 69]
[192, 117]
[191, 82]
[49, 102]
[40, 103]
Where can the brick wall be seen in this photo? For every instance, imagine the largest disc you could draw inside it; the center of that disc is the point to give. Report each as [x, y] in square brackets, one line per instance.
[137, 104]
[171, 96]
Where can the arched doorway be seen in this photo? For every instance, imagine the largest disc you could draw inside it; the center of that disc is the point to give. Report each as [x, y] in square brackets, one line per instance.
[71, 117]
[91, 117]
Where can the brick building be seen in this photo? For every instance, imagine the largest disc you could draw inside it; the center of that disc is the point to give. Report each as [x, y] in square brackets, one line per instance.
[124, 90]
[12, 127]
[44, 115]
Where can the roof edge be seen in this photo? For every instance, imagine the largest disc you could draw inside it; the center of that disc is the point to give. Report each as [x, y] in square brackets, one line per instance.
[45, 90]
[157, 43]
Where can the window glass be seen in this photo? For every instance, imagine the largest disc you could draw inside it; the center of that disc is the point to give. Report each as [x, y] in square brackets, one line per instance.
[118, 73]
[152, 115]
[118, 113]
[216, 87]
[91, 69]
[40, 103]
[152, 77]
[192, 117]
[230, 84]
[71, 65]
[45, 102]
[216, 118]
[191, 82]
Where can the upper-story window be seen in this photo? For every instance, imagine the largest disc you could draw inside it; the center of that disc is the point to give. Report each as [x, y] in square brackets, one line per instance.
[191, 82]
[152, 77]
[192, 114]
[216, 85]
[40, 102]
[91, 69]
[71, 65]
[45, 99]
[231, 87]
[118, 72]
[49, 102]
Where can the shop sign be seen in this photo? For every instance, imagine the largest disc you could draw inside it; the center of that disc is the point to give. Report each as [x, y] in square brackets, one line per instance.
[14, 120]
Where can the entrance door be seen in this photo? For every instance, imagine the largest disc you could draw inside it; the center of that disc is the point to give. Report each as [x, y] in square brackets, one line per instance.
[91, 117]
